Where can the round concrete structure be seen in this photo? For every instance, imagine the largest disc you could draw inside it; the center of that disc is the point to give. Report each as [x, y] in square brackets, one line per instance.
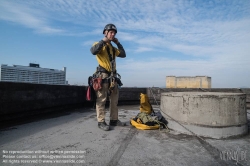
[209, 114]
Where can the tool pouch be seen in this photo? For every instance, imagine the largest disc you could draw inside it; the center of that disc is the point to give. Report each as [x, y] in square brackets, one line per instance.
[90, 94]
[97, 83]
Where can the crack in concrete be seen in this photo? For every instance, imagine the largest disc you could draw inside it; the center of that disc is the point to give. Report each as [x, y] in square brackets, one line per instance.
[215, 153]
[116, 158]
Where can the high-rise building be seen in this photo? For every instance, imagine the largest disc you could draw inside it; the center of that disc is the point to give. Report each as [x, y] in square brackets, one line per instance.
[188, 82]
[32, 74]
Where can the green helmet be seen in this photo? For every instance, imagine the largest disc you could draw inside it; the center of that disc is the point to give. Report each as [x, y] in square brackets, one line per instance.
[110, 27]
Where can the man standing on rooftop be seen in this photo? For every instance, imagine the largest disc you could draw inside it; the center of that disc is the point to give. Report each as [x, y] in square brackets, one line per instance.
[106, 55]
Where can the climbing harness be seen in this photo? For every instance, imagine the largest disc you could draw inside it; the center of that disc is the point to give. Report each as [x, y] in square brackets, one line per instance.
[113, 75]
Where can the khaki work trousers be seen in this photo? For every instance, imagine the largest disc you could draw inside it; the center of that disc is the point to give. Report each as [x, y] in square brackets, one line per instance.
[101, 101]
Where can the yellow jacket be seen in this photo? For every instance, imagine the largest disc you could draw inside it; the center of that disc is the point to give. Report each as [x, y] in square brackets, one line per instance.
[100, 50]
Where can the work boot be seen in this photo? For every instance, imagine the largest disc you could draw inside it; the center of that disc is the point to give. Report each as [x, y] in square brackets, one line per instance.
[103, 126]
[116, 123]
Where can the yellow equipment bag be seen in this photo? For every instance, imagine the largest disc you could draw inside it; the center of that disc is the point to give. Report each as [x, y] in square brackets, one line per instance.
[145, 105]
[143, 126]
[144, 120]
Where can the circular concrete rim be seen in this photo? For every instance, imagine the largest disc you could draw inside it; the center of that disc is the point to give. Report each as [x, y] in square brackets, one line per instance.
[200, 94]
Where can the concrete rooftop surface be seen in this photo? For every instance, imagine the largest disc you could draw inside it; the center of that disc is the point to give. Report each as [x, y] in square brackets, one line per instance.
[75, 137]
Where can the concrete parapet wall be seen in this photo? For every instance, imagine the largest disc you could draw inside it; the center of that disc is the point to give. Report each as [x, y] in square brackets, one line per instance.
[130, 95]
[22, 99]
[19, 100]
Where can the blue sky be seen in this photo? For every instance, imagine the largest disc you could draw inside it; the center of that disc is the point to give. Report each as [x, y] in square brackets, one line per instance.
[161, 38]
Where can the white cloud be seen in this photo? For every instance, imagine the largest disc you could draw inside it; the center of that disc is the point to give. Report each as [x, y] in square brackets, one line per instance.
[127, 36]
[143, 49]
[214, 34]
[26, 16]
[88, 43]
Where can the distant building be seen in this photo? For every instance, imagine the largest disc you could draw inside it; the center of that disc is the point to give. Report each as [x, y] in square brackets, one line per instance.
[32, 74]
[188, 82]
